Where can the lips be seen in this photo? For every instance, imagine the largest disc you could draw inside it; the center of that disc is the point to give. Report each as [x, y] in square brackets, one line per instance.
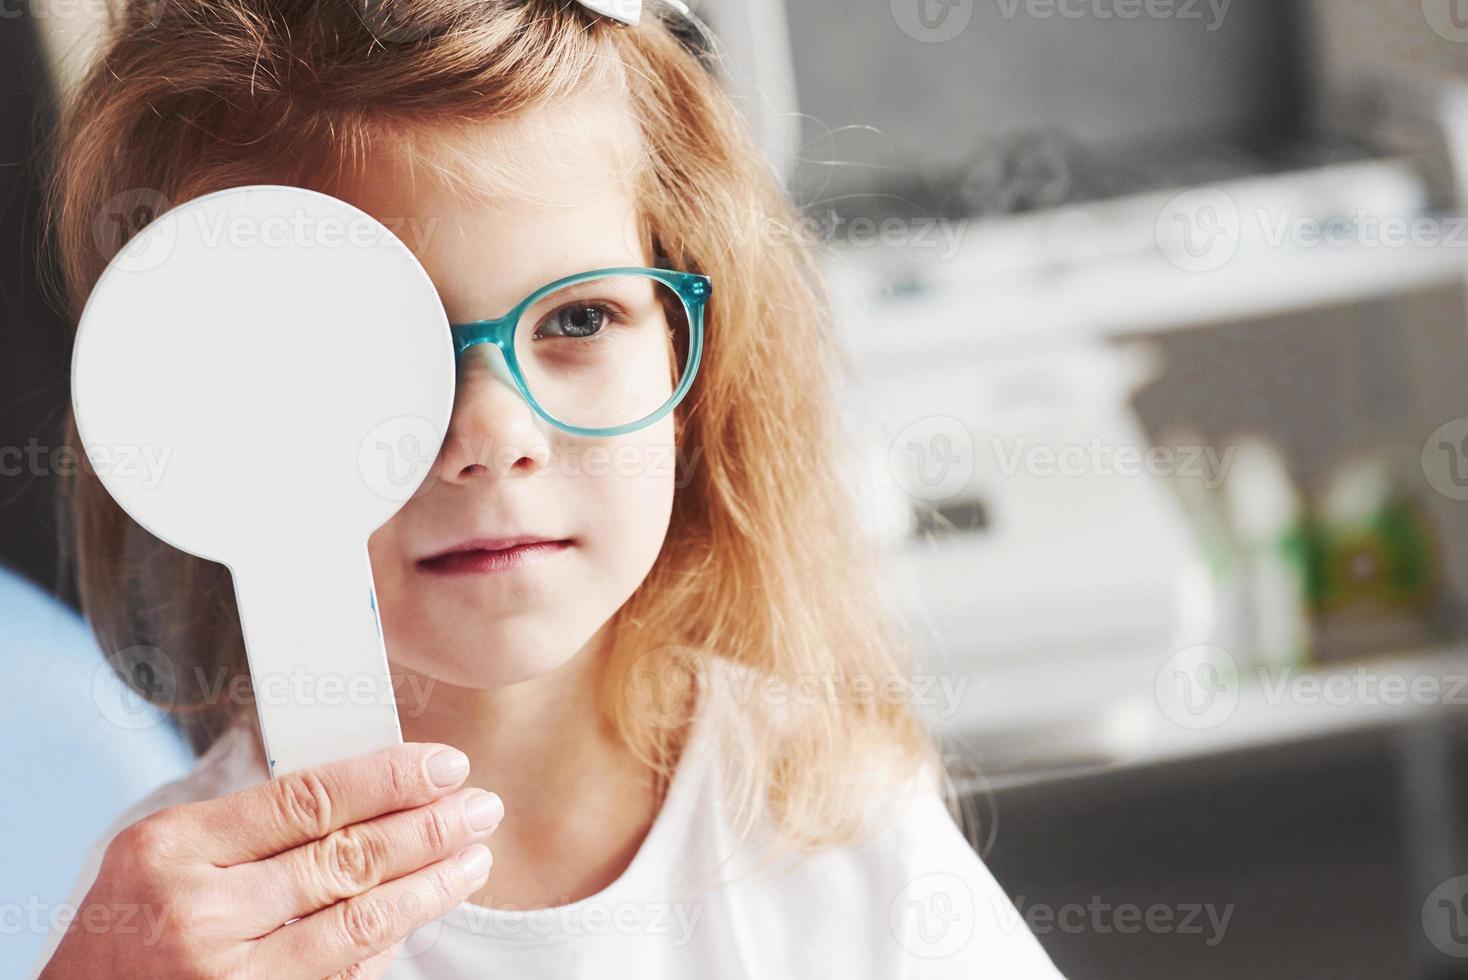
[479, 556]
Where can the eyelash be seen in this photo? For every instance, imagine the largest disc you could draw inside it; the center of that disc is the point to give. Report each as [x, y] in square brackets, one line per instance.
[613, 314]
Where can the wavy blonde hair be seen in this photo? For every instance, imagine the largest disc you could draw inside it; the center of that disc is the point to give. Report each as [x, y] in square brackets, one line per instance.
[763, 563]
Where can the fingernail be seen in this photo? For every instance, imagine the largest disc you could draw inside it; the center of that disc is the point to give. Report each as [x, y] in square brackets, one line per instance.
[485, 810]
[474, 861]
[448, 767]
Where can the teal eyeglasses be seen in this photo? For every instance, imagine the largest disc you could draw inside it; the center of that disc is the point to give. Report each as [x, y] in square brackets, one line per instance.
[604, 352]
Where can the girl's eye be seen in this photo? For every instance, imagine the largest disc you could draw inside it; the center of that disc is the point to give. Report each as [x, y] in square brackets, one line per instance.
[573, 320]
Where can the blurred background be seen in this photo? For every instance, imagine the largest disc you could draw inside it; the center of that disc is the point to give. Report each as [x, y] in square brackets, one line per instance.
[1157, 327]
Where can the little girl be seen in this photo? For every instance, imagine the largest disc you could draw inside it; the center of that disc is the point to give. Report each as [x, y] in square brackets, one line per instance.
[645, 649]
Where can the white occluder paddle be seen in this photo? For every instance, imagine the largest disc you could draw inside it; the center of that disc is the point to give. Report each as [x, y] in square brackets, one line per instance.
[287, 363]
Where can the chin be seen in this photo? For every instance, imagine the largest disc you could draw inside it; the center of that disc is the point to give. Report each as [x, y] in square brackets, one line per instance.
[498, 655]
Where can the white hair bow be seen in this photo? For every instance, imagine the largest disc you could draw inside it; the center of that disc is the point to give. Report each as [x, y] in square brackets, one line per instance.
[626, 11]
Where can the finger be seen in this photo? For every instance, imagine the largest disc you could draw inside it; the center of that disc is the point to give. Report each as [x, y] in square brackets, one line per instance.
[361, 927]
[355, 859]
[303, 806]
[372, 969]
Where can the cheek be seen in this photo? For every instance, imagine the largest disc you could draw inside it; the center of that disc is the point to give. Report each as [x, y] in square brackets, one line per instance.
[615, 494]
[386, 550]
[633, 492]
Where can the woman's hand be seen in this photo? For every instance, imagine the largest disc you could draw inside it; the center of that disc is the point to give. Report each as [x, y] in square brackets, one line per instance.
[317, 873]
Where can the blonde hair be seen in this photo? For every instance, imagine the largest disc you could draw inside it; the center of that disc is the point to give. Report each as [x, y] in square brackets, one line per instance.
[763, 564]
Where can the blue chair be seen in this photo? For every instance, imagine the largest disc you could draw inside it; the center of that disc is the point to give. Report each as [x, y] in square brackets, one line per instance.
[76, 749]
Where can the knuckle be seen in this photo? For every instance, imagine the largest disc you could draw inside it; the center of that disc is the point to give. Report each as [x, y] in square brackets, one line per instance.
[448, 886]
[194, 916]
[148, 842]
[302, 801]
[364, 925]
[402, 776]
[186, 918]
[438, 833]
[352, 859]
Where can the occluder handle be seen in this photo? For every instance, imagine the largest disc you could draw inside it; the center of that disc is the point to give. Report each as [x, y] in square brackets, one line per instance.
[317, 660]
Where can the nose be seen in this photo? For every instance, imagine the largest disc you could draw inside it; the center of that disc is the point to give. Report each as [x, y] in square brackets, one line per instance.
[492, 430]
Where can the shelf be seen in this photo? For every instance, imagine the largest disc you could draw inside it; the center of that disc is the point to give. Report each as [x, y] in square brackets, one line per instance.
[1291, 707]
[1099, 271]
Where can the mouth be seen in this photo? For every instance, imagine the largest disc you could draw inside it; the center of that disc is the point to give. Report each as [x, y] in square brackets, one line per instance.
[481, 556]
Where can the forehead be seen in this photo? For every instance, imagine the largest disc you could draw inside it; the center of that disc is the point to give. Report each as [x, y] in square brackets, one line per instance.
[495, 209]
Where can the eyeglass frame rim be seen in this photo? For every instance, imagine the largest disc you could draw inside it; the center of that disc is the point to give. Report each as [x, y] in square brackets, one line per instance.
[692, 288]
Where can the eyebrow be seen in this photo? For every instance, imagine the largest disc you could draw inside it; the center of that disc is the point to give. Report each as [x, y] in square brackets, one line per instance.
[523, 293]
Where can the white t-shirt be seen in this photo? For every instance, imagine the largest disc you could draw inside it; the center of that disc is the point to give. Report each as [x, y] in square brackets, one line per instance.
[914, 901]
